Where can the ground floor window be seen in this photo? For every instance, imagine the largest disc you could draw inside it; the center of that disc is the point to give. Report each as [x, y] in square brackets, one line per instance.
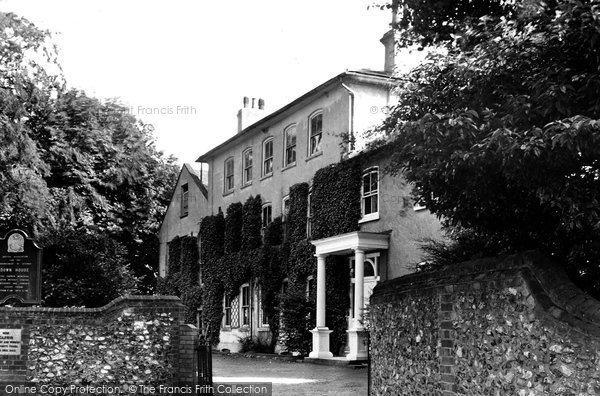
[227, 310]
[245, 307]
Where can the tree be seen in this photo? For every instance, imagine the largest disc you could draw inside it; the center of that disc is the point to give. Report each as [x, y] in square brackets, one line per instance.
[84, 269]
[72, 162]
[500, 132]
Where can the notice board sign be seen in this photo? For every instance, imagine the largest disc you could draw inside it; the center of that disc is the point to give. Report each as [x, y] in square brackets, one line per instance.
[20, 268]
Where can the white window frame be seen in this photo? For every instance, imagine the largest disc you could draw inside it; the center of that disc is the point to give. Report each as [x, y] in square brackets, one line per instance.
[227, 186]
[363, 196]
[314, 149]
[290, 148]
[245, 308]
[247, 179]
[267, 169]
[269, 208]
[226, 311]
[285, 213]
[263, 320]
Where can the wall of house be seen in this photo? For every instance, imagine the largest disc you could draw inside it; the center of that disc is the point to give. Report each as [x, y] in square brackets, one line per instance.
[173, 223]
[407, 227]
[334, 105]
[512, 325]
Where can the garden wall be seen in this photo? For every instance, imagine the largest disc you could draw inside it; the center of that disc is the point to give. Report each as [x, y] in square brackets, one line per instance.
[132, 340]
[506, 326]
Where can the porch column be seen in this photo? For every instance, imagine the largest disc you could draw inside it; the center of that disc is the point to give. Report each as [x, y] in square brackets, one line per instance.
[320, 347]
[359, 287]
[320, 291]
[357, 340]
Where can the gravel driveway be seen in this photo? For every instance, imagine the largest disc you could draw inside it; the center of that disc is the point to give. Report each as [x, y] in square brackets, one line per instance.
[291, 378]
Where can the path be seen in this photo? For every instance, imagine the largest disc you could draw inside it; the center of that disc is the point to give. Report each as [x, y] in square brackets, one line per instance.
[291, 378]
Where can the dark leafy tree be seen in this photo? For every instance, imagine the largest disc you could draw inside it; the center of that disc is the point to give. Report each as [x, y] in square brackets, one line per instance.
[69, 161]
[500, 132]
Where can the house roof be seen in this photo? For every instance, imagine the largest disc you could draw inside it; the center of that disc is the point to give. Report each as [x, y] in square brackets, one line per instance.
[363, 75]
[197, 177]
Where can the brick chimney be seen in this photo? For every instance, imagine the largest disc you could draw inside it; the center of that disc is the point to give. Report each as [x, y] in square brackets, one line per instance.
[389, 41]
[252, 111]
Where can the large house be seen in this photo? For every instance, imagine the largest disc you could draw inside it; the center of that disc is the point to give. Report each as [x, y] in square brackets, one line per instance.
[271, 152]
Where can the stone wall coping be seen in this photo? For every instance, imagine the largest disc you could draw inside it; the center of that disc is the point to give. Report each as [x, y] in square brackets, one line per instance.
[550, 285]
[171, 301]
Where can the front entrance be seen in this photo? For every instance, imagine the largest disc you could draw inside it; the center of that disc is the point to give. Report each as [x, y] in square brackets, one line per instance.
[365, 246]
[371, 278]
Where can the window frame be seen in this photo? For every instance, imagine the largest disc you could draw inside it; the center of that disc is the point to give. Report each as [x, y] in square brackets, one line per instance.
[245, 308]
[316, 148]
[266, 205]
[184, 204]
[229, 177]
[287, 146]
[227, 310]
[285, 213]
[245, 167]
[265, 158]
[363, 197]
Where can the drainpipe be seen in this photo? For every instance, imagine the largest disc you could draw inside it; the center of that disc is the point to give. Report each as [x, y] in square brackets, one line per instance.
[350, 115]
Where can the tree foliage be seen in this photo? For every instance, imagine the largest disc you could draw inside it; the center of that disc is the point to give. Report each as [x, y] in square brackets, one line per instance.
[84, 269]
[500, 132]
[72, 162]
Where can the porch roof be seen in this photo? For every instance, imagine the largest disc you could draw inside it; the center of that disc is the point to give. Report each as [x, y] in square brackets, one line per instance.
[347, 243]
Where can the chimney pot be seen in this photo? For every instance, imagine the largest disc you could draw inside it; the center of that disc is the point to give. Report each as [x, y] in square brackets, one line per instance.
[261, 104]
[253, 100]
[246, 101]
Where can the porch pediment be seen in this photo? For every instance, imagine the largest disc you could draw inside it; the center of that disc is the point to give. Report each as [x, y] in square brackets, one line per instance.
[350, 242]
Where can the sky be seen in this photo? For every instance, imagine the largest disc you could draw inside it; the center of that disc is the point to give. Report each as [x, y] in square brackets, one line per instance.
[185, 65]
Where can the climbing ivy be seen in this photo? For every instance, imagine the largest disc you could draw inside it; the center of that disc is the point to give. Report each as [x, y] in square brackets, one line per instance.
[335, 199]
[252, 223]
[233, 228]
[182, 275]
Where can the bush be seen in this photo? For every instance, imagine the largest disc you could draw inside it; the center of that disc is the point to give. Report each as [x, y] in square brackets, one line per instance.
[84, 269]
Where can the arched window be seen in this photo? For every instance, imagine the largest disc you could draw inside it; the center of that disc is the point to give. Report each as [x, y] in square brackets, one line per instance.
[315, 133]
[289, 137]
[229, 180]
[267, 157]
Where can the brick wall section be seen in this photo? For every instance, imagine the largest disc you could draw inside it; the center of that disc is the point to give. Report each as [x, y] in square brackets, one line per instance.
[509, 325]
[18, 369]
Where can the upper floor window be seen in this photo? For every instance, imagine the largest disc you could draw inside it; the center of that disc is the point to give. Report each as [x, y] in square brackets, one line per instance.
[245, 308]
[184, 200]
[370, 194]
[268, 157]
[267, 213]
[290, 145]
[315, 133]
[247, 165]
[229, 181]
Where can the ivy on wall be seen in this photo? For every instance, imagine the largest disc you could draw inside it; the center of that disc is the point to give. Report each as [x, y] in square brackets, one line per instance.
[335, 199]
[233, 228]
[182, 275]
[232, 253]
[252, 223]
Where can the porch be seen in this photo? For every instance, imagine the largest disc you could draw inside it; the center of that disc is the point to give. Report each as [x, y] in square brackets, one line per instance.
[360, 244]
